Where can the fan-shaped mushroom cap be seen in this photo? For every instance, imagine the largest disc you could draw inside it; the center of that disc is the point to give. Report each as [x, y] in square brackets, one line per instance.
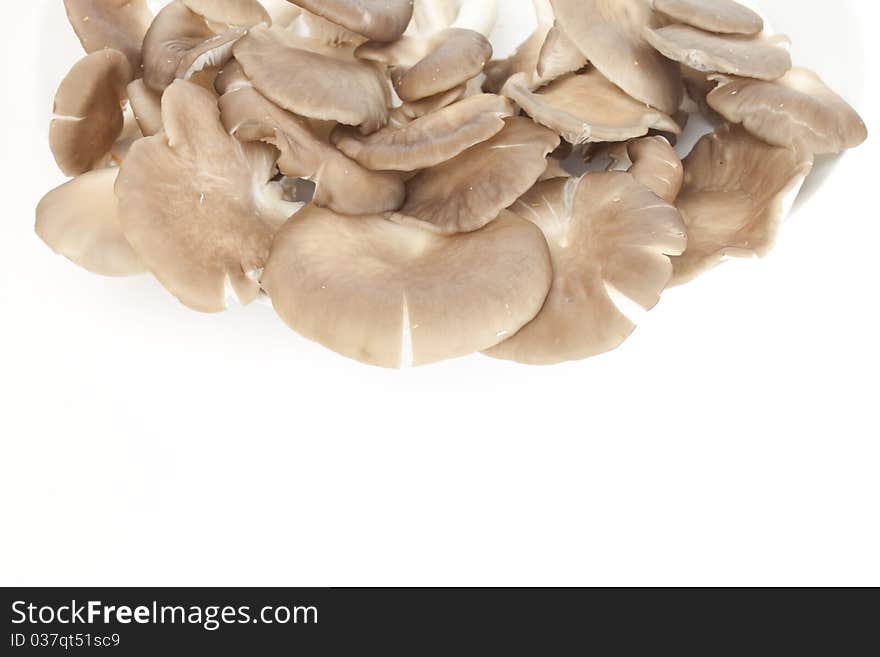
[430, 140]
[339, 87]
[609, 33]
[234, 13]
[721, 16]
[759, 58]
[115, 24]
[80, 221]
[379, 20]
[88, 111]
[468, 191]
[196, 204]
[798, 108]
[559, 56]
[460, 56]
[609, 237]
[147, 107]
[408, 112]
[341, 184]
[393, 296]
[586, 108]
[656, 165]
[735, 195]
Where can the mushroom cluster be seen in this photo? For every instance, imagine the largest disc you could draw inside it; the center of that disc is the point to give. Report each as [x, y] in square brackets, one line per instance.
[402, 198]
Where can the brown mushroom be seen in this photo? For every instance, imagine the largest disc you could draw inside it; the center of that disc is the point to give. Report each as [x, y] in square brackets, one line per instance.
[610, 240]
[230, 13]
[196, 204]
[88, 111]
[656, 165]
[720, 16]
[737, 190]
[380, 20]
[80, 220]
[430, 140]
[339, 87]
[147, 107]
[395, 296]
[115, 24]
[610, 34]
[761, 58]
[586, 107]
[468, 191]
[796, 109]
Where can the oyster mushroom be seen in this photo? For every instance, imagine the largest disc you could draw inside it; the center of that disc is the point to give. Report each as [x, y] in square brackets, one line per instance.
[737, 190]
[180, 43]
[430, 140]
[610, 239]
[115, 24]
[468, 191]
[147, 107]
[656, 165]
[230, 13]
[380, 20]
[759, 58]
[394, 296]
[586, 107]
[610, 34]
[88, 111]
[720, 16]
[196, 204]
[80, 220]
[340, 88]
[796, 109]
[341, 184]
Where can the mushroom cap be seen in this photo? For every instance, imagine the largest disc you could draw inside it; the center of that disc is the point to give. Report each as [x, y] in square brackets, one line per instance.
[342, 184]
[147, 107]
[339, 87]
[609, 33]
[431, 139]
[379, 20]
[609, 237]
[468, 191]
[798, 108]
[657, 166]
[393, 296]
[559, 56]
[196, 205]
[88, 111]
[720, 16]
[460, 56]
[750, 57]
[586, 107]
[234, 13]
[80, 220]
[409, 112]
[174, 32]
[734, 197]
[115, 24]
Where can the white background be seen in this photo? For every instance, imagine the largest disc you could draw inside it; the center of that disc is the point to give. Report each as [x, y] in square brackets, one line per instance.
[733, 440]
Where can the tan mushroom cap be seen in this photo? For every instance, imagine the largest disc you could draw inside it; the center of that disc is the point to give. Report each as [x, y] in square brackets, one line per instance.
[341, 184]
[174, 33]
[759, 58]
[559, 56]
[339, 87]
[196, 204]
[609, 237]
[734, 198]
[147, 107]
[88, 111]
[657, 166]
[234, 13]
[80, 220]
[115, 24]
[586, 107]
[720, 16]
[798, 108]
[408, 112]
[609, 33]
[468, 191]
[430, 140]
[379, 20]
[460, 56]
[395, 296]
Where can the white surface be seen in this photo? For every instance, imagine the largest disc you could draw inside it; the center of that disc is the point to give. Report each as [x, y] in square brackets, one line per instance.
[732, 440]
